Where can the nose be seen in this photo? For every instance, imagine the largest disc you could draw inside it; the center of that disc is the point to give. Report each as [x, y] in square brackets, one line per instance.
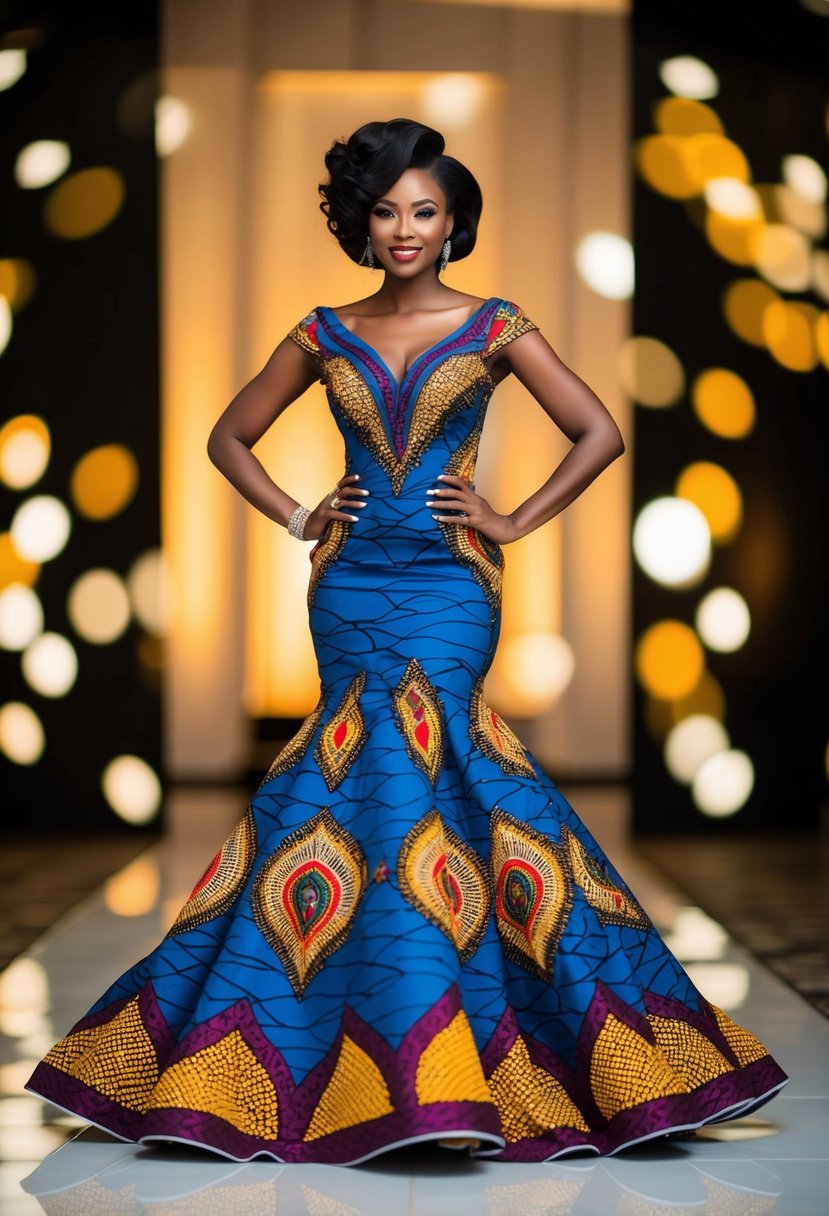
[404, 229]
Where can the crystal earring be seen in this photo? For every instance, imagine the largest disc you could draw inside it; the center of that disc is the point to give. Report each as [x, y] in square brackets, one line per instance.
[444, 255]
[368, 255]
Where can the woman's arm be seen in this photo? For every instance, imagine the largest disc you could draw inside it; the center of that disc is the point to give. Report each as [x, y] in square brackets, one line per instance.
[286, 376]
[576, 410]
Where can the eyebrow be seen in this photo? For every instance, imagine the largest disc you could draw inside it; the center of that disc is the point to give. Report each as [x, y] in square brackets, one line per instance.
[419, 202]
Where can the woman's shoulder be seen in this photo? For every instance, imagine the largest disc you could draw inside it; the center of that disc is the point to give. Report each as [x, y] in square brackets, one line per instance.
[507, 322]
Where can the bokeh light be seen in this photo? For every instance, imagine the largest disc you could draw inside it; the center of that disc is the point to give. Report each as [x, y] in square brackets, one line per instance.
[25, 447]
[41, 163]
[744, 302]
[723, 620]
[104, 481]
[714, 156]
[13, 567]
[17, 282]
[706, 697]
[605, 263]
[40, 528]
[783, 256]
[50, 665]
[650, 372]
[12, 67]
[672, 541]
[134, 890]
[148, 591]
[723, 784]
[22, 737]
[724, 403]
[84, 203]
[691, 742]
[132, 788]
[733, 198]
[173, 124]
[789, 330]
[717, 495]
[6, 323]
[98, 606]
[732, 238]
[683, 116]
[798, 212]
[669, 660]
[535, 669]
[806, 177]
[21, 616]
[665, 164]
[452, 100]
[687, 76]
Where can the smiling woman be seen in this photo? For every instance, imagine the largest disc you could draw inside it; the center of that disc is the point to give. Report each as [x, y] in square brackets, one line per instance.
[409, 935]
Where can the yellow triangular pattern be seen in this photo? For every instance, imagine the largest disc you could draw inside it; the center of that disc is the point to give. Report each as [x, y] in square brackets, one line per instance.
[688, 1051]
[530, 1100]
[449, 1068]
[626, 1069]
[225, 1080]
[742, 1042]
[116, 1058]
[356, 1093]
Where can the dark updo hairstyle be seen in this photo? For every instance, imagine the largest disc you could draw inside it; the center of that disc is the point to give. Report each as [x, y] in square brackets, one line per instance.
[364, 167]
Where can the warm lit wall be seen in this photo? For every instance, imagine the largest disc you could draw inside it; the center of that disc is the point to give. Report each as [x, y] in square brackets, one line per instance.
[246, 254]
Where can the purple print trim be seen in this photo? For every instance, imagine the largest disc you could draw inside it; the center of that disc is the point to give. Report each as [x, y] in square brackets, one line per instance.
[734, 1091]
[362, 351]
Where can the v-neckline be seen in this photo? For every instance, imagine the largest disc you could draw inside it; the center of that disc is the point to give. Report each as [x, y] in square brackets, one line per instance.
[375, 354]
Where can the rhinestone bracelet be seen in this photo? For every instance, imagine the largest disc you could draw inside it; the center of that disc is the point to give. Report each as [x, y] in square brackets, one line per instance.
[297, 522]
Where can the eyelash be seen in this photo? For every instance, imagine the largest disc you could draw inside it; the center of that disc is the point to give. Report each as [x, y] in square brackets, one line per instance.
[384, 212]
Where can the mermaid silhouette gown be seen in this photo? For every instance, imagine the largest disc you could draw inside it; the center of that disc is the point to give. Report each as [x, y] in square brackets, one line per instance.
[410, 935]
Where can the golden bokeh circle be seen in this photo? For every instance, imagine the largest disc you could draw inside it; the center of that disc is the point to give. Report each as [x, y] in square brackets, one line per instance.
[664, 162]
[17, 282]
[789, 328]
[717, 495]
[706, 697]
[744, 302]
[104, 481]
[25, 448]
[733, 239]
[682, 116]
[669, 660]
[84, 203]
[650, 372]
[724, 403]
[13, 567]
[713, 156]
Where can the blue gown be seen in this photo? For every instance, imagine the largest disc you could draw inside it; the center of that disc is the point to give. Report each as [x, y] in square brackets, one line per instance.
[410, 935]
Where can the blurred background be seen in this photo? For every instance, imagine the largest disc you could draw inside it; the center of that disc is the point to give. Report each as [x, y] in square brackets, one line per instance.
[655, 194]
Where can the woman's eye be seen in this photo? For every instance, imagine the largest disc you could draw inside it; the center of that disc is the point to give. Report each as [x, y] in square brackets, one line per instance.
[382, 212]
[425, 215]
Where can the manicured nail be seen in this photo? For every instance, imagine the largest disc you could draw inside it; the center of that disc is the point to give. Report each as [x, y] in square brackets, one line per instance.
[353, 518]
[441, 476]
[435, 517]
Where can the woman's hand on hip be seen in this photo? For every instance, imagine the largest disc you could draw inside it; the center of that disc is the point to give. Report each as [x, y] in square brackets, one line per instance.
[457, 495]
[338, 503]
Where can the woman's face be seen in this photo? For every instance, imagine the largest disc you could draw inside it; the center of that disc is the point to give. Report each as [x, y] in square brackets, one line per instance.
[409, 224]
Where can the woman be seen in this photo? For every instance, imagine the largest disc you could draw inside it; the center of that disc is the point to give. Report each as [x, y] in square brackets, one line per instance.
[410, 935]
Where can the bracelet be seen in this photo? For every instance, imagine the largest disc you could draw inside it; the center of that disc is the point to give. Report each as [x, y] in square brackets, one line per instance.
[297, 522]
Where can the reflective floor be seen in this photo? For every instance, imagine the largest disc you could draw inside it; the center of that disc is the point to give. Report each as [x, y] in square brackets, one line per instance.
[776, 1162]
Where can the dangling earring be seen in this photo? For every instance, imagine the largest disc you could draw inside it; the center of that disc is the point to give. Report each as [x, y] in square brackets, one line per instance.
[368, 255]
[444, 256]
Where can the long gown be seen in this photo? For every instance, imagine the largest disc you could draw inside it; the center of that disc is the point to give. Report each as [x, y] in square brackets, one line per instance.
[410, 935]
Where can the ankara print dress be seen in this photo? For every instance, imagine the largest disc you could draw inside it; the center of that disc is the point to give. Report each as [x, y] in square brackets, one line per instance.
[410, 935]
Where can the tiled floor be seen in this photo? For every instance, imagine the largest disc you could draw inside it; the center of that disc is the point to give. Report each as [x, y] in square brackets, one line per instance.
[776, 1162]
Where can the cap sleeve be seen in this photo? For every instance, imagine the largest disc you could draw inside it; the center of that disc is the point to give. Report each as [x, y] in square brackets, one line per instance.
[304, 334]
[508, 323]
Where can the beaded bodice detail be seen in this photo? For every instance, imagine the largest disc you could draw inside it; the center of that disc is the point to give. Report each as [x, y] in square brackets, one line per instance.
[397, 422]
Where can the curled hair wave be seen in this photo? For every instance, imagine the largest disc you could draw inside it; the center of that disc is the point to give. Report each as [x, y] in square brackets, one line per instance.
[362, 168]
